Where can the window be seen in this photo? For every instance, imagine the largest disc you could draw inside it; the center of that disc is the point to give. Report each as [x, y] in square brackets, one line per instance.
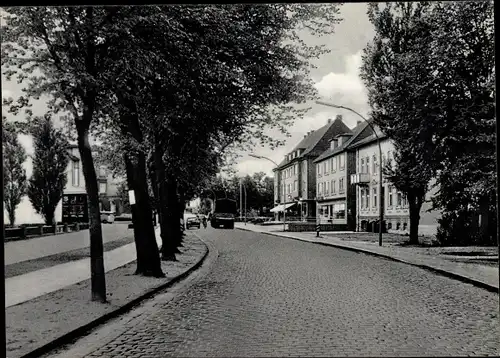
[318, 168]
[319, 189]
[342, 161]
[374, 165]
[362, 168]
[363, 199]
[102, 188]
[297, 168]
[367, 165]
[338, 211]
[333, 187]
[404, 201]
[390, 196]
[374, 190]
[367, 193]
[295, 185]
[400, 198]
[324, 167]
[327, 188]
[334, 163]
[331, 166]
[76, 173]
[341, 185]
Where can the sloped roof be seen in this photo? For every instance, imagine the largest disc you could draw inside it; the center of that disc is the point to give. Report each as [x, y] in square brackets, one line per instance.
[371, 138]
[356, 131]
[317, 141]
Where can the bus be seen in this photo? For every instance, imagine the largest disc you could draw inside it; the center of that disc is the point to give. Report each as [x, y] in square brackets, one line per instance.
[223, 213]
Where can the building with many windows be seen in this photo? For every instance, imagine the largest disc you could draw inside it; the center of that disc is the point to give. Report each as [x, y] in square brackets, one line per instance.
[366, 187]
[295, 178]
[334, 193]
[74, 203]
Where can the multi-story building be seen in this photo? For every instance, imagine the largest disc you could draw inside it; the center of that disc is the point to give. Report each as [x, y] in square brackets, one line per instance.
[366, 187]
[74, 207]
[334, 193]
[295, 178]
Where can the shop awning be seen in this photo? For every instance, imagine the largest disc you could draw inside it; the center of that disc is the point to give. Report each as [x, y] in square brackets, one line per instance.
[281, 207]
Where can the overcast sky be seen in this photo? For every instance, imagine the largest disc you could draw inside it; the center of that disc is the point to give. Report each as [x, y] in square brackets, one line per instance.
[337, 81]
[336, 78]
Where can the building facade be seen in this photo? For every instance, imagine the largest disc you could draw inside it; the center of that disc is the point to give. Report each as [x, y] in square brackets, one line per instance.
[295, 176]
[74, 202]
[336, 196]
[395, 203]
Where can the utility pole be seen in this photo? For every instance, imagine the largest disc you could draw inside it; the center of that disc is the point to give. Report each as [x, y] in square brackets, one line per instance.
[380, 177]
[241, 201]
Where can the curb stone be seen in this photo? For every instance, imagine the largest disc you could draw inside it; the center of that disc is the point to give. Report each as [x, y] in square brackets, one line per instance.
[80, 331]
[442, 272]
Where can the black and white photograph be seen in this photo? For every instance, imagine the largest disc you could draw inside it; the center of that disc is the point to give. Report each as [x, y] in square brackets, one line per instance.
[250, 180]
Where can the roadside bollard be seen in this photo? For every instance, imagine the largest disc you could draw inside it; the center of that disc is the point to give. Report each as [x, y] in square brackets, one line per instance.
[23, 232]
[65, 227]
[41, 230]
[317, 230]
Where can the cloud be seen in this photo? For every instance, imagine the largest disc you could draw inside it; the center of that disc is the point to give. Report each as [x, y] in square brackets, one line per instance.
[343, 88]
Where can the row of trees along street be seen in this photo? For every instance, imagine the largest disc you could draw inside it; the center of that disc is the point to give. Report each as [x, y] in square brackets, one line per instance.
[50, 160]
[168, 90]
[430, 76]
[257, 191]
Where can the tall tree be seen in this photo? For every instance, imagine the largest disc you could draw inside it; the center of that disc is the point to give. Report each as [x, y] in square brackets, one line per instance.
[50, 162]
[14, 175]
[463, 55]
[396, 71]
[60, 51]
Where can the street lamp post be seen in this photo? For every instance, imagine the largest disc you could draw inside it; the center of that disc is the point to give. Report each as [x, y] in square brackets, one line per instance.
[380, 186]
[276, 166]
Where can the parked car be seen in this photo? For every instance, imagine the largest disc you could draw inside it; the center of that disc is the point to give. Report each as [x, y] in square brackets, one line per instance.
[107, 217]
[193, 222]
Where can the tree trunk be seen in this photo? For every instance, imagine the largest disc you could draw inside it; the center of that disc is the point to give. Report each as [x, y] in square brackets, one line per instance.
[415, 203]
[171, 216]
[484, 211]
[97, 273]
[49, 217]
[167, 247]
[148, 256]
[11, 209]
[177, 205]
[136, 221]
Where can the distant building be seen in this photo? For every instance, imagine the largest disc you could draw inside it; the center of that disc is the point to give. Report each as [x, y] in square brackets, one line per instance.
[335, 195]
[295, 178]
[396, 209]
[75, 207]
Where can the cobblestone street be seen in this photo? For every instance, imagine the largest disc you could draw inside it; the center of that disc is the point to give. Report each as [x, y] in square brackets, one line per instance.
[269, 296]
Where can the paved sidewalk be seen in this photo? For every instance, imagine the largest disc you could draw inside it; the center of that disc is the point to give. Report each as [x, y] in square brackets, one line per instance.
[480, 275]
[33, 248]
[22, 288]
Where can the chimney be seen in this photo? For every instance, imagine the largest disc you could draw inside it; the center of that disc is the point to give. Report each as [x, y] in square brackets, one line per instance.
[358, 123]
[329, 121]
[339, 117]
[333, 143]
[305, 135]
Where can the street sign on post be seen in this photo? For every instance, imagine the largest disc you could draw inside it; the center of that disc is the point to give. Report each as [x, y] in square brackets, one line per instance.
[131, 197]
